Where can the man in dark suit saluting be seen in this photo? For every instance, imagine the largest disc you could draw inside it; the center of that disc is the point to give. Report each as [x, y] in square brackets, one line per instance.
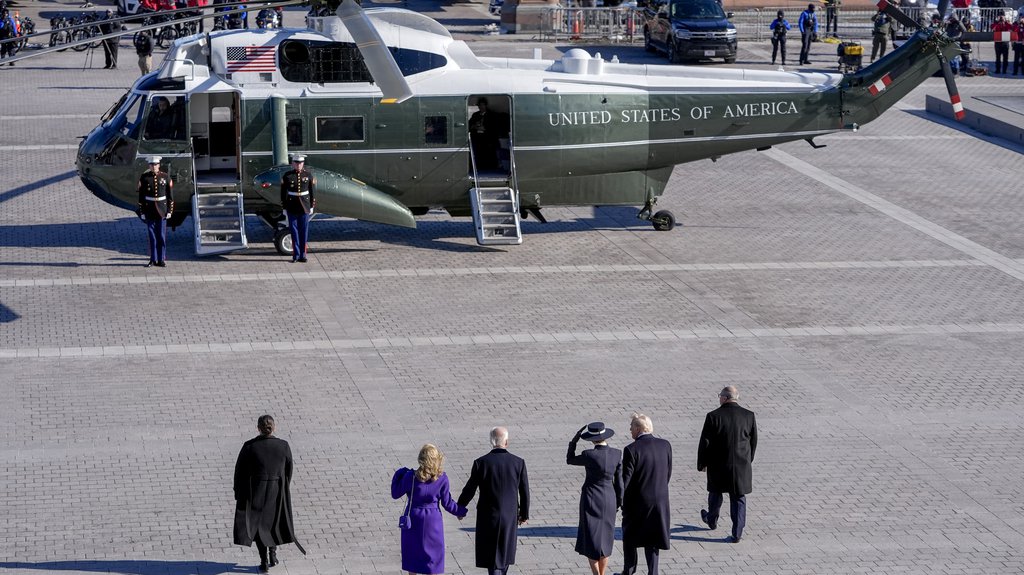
[646, 470]
[504, 503]
[726, 451]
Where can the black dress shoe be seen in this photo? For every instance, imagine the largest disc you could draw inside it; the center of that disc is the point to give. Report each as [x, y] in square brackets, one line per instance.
[733, 539]
[263, 568]
[150, 264]
[704, 518]
[161, 264]
[303, 260]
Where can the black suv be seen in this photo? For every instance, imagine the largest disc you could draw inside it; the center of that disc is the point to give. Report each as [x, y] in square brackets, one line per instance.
[689, 30]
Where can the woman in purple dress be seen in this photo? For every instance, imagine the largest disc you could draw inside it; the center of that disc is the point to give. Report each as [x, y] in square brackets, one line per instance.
[423, 542]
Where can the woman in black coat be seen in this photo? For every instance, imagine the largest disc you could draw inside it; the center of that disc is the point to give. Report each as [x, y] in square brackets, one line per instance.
[601, 495]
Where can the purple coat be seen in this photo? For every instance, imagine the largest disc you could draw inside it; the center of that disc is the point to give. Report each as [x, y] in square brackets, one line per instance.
[423, 544]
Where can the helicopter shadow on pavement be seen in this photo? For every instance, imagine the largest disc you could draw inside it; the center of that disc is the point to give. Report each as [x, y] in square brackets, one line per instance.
[7, 315]
[134, 567]
[15, 192]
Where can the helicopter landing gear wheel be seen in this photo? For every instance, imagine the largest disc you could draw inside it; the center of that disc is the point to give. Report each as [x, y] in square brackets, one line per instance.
[663, 220]
[283, 242]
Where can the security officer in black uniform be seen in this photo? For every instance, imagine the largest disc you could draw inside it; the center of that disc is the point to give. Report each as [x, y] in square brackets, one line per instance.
[298, 189]
[156, 204]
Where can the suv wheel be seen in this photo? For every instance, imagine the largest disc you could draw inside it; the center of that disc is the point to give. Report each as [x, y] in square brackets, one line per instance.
[673, 51]
[647, 40]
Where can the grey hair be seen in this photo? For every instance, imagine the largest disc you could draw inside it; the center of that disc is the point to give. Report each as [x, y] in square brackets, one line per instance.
[730, 393]
[642, 422]
[499, 437]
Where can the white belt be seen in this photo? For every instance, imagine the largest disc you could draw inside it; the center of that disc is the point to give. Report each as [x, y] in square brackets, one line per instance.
[298, 193]
[152, 199]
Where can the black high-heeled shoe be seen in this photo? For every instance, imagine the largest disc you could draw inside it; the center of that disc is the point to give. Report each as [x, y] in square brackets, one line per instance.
[273, 556]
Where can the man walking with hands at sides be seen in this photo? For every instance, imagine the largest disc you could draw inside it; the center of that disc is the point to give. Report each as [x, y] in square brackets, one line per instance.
[156, 204]
[263, 501]
[504, 503]
[726, 452]
[646, 471]
[298, 189]
[808, 25]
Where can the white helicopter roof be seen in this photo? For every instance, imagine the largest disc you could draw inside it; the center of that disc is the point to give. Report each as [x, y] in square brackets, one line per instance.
[249, 59]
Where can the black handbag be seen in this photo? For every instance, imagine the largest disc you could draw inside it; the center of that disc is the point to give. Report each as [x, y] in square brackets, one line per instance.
[405, 521]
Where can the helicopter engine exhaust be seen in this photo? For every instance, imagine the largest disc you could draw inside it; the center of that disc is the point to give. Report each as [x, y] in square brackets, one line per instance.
[341, 196]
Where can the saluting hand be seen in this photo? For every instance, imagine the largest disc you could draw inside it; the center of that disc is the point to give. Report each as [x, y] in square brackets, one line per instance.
[579, 433]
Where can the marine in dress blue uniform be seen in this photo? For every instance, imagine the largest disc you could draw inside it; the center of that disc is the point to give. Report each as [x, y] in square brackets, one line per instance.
[156, 204]
[298, 189]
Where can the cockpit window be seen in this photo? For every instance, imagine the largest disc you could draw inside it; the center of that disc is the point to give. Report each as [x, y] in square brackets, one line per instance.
[698, 10]
[165, 119]
[109, 114]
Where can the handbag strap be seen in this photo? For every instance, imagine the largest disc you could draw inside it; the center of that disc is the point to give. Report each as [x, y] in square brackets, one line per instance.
[408, 505]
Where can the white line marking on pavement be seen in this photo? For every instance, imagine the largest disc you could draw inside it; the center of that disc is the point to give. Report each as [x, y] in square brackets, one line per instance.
[953, 240]
[39, 147]
[150, 277]
[509, 339]
[95, 116]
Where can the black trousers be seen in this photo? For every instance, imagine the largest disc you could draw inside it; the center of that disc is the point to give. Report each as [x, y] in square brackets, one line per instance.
[779, 45]
[1002, 55]
[262, 549]
[110, 52]
[629, 559]
[805, 45]
[502, 571]
[737, 511]
[832, 20]
[1018, 59]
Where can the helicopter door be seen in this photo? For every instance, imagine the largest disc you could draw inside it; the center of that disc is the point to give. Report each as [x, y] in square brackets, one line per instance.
[165, 134]
[490, 135]
[215, 132]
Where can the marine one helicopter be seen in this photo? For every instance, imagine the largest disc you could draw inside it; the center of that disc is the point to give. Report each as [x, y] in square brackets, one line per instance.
[381, 102]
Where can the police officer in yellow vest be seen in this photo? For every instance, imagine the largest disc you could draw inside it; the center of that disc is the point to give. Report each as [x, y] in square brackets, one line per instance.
[298, 189]
[156, 204]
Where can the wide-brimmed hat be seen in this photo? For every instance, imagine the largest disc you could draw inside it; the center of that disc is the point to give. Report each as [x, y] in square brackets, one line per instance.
[597, 432]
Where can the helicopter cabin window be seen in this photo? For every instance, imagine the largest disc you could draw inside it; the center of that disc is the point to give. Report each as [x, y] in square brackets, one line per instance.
[165, 119]
[414, 61]
[435, 130]
[339, 129]
[341, 62]
[294, 132]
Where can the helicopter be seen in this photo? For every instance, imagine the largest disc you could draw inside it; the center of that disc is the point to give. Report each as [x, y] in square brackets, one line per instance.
[384, 104]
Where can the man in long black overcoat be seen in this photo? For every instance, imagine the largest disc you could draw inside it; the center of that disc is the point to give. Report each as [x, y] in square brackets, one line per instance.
[263, 502]
[646, 471]
[504, 503]
[726, 451]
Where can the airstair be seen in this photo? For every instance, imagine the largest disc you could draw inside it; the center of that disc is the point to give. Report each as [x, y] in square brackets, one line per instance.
[495, 204]
[218, 214]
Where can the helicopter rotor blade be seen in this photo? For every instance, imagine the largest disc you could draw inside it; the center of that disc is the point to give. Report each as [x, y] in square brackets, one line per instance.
[896, 14]
[954, 93]
[943, 6]
[376, 55]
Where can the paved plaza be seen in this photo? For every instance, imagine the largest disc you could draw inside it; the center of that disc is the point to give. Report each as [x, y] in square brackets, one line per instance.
[866, 298]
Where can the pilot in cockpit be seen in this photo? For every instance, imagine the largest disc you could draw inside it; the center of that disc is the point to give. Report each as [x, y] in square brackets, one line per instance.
[161, 120]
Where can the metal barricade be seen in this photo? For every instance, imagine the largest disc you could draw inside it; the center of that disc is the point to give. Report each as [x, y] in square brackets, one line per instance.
[626, 24]
[619, 24]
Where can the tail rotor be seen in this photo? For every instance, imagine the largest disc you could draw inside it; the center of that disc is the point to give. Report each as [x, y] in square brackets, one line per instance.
[938, 39]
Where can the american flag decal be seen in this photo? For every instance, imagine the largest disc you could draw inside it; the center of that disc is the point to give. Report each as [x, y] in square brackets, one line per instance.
[251, 59]
[880, 85]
